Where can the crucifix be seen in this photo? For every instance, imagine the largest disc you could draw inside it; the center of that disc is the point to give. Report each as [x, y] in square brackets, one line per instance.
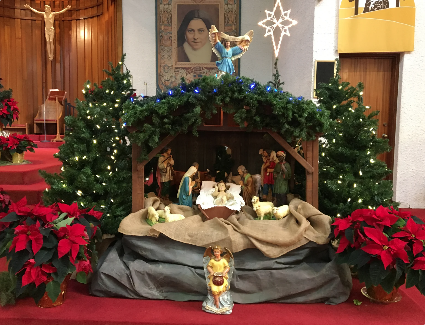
[49, 29]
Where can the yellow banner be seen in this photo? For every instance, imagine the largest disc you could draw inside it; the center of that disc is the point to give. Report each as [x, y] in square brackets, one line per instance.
[376, 26]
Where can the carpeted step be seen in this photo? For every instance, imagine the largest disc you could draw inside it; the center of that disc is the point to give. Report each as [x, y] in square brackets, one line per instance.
[26, 174]
[33, 192]
[48, 144]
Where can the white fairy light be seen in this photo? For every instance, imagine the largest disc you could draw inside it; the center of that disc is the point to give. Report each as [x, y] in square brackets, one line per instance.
[360, 200]
[79, 192]
[349, 199]
[355, 185]
[277, 22]
[88, 86]
[94, 141]
[360, 173]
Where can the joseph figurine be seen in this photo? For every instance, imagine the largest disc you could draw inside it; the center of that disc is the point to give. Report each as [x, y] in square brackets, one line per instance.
[49, 18]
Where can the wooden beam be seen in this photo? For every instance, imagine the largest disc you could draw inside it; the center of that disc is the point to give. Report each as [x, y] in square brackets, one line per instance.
[315, 163]
[308, 167]
[308, 154]
[138, 180]
[155, 151]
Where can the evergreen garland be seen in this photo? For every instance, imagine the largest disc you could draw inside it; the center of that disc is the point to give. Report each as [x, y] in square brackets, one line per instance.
[96, 155]
[350, 176]
[276, 77]
[181, 109]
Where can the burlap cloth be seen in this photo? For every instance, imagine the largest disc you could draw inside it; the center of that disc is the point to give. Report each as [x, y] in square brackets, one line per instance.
[240, 231]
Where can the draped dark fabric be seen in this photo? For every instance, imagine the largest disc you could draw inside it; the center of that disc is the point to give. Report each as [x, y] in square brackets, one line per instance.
[161, 268]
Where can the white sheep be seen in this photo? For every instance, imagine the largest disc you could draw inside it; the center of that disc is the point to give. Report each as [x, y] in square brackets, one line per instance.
[171, 217]
[261, 208]
[281, 211]
[153, 215]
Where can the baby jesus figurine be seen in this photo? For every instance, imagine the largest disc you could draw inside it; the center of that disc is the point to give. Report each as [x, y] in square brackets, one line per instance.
[220, 195]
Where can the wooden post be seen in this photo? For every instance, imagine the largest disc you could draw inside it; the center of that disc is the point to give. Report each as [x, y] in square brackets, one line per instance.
[315, 163]
[138, 180]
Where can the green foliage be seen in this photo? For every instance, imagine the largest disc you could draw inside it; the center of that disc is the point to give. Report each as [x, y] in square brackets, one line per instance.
[96, 155]
[181, 109]
[276, 77]
[350, 175]
[357, 302]
[7, 288]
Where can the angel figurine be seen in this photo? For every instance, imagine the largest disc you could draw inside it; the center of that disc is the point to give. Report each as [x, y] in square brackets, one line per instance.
[227, 54]
[218, 273]
[220, 195]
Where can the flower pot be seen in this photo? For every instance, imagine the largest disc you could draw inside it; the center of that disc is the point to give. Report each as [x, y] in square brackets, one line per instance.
[378, 294]
[18, 158]
[46, 302]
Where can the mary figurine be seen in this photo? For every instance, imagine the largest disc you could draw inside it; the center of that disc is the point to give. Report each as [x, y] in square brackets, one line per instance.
[184, 193]
[218, 273]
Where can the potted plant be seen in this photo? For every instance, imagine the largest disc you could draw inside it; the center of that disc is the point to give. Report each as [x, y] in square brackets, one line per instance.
[15, 145]
[9, 112]
[385, 247]
[45, 245]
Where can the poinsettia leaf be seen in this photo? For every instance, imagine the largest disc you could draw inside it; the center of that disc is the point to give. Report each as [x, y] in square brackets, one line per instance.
[375, 270]
[82, 277]
[62, 266]
[343, 257]
[39, 292]
[43, 256]
[64, 223]
[400, 223]
[400, 267]
[412, 278]
[45, 231]
[85, 223]
[53, 289]
[60, 218]
[421, 283]
[64, 247]
[50, 241]
[388, 282]
[91, 219]
[349, 233]
[18, 260]
[29, 221]
[19, 289]
[364, 275]
[417, 220]
[359, 258]
[10, 217]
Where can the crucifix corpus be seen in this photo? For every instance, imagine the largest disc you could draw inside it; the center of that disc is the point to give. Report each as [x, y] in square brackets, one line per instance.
[49, 29]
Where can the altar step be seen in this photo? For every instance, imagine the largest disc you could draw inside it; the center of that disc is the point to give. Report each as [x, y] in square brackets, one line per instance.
[25, 180]
[45, 141]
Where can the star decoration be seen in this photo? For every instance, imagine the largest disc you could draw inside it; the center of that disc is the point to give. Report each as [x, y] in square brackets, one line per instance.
[277, 22]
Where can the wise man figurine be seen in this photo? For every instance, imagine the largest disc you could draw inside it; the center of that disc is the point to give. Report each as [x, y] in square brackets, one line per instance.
[49, 29]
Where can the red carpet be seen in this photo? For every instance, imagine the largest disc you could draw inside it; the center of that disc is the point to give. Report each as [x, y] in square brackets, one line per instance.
[24, 180]
[81, 308]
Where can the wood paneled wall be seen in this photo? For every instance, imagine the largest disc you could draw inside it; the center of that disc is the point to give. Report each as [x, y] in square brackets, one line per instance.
[87, 37]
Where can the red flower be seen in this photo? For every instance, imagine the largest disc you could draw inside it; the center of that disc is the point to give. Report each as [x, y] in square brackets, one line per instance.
[419, 263]
[20, 207]
[25, 234]
[43, 213]
[72, 209]
[36, 274]
[96, 214]
[3, 225]
[341, 225]
[413, 232]
[72, 237]
[387, 250]
[84, 266]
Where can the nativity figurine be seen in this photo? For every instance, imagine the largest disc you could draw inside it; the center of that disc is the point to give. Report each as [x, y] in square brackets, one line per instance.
[218, 274]
[220, 195]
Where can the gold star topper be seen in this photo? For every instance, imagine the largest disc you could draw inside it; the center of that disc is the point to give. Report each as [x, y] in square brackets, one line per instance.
[284, 29]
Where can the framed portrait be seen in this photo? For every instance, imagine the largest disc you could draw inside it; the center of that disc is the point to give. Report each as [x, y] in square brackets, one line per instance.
[183, 45]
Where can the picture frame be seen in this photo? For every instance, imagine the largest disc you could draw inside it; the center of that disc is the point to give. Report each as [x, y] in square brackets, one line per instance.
[183, 45]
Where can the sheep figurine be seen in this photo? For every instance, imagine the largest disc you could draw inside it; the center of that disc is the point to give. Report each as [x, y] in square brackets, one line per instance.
[281, 211]
[261, 208]
[153, 215]
[171, 217]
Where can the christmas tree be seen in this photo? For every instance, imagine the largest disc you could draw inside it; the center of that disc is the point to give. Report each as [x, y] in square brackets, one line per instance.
[350, 175]
[96, 155]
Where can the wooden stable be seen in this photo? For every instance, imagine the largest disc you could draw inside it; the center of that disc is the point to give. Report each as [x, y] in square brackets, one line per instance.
[226, 124]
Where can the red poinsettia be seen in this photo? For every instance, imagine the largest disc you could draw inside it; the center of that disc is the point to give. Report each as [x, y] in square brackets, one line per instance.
[47, 215]
[20, 207]
[4, 198]
[36, 274]
[413, 232]
[84, 266]
[378, 244]
[9, 110]
[419, 263]
[71, 239]
[3, 225]
[72, 210]
[25, 234]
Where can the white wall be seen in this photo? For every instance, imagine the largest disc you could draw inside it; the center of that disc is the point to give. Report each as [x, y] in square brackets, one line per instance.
[409, 171]
[140, 42]
[296, 51]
